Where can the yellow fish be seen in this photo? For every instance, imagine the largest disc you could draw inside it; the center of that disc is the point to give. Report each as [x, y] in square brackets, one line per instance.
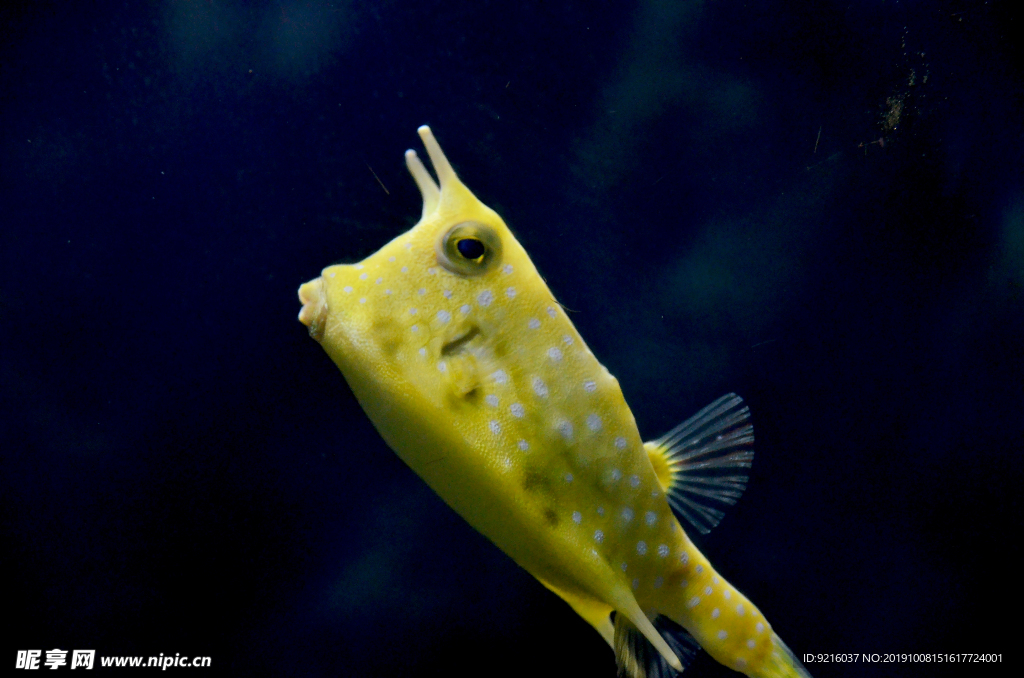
[476, 378]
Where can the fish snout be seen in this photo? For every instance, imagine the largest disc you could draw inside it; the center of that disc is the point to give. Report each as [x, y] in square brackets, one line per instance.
[314, 307]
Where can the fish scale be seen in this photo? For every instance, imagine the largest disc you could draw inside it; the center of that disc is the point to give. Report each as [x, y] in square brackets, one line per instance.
[474, 375]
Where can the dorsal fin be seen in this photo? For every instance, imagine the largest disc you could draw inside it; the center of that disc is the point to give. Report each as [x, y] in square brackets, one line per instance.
[637, 658]
[698, 461]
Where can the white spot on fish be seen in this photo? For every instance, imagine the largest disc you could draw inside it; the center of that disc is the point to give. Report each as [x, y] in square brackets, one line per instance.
[577, 517]
[359, 267]
[565, 428]
[412, 311]
[627, 514]
[495, 427]
[348, 289]
[510, 293]
[598, 536]
[523, 445]
[620, 443]
[485, 298]
[615, 475]
[567, 339]
[465, 309]
[634, 481]
[600, 510]
[517, 410]
[442, 365]
[362, 300]
[391, 259]
[415, 328]
[539, 387]
[423, 351]
[405, 269]
[447, 294]
[707, 590]
[759, 627]
[722, 635]
[593, 422]
[589, 386]
[444, 316]
[533, 324]
[421, 291]
[727, 594]
[715, 613]
[554, 353]
[663, 550]
[500, 377]
[379, 280]
[551, 311]
[684, 558]
[507, 268]
[568, 477]
[641, 548]
[362, 277]
[698, 569]
[739, 609]
[491, 400]
[693, 602]
[751, 644]
[650, 517]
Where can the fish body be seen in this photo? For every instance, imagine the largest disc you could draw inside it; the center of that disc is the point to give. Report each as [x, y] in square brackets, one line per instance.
[474, 375]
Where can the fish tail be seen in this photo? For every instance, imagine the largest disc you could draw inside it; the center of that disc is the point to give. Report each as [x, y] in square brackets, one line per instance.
[780, 663]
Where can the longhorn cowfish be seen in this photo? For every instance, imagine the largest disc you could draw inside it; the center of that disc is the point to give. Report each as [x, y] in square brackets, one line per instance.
[474, 375]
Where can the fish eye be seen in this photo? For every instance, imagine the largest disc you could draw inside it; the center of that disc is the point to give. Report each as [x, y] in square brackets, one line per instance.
[469, 248]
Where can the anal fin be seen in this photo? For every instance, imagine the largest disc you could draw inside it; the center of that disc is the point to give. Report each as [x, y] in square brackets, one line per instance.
[636, 657]
[701, 462]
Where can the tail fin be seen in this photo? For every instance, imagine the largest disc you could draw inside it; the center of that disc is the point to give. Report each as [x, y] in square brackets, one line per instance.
[782, 663]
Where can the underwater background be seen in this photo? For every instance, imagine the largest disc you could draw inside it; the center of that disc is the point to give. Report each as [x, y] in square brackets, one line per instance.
[817, 205]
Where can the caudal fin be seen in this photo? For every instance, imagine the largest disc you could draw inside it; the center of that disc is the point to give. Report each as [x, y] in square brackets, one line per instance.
[781, 663]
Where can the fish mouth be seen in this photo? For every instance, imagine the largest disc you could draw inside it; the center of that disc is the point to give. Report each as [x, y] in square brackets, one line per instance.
[314, 307]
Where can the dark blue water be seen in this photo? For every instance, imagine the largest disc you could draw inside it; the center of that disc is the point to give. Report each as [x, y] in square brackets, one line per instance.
[819, 206]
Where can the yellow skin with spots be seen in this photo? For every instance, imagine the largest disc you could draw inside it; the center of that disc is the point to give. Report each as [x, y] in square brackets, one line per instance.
[474, 375]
